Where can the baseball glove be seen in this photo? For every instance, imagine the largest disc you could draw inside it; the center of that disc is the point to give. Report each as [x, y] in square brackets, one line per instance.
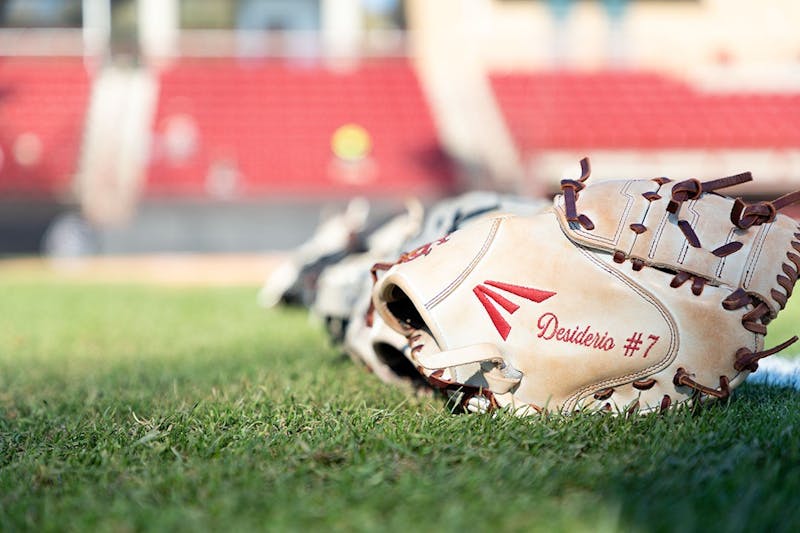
[367, 339]
[343, 289]
[343, 296]
[294, 281]
[625, 296]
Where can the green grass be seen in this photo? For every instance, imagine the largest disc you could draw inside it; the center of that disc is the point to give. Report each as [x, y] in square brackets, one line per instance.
[136, 408]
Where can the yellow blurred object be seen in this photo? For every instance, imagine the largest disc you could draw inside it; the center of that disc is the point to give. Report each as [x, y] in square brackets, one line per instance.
[351, 142]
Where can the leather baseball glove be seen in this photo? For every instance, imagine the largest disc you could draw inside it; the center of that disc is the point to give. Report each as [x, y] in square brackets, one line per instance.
[634, 295]
[344, 289]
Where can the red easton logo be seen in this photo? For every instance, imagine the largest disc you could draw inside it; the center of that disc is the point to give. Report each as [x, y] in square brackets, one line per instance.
[489, 298]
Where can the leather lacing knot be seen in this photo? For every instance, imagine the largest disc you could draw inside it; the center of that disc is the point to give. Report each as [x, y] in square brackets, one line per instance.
[691, 189]
[746, 359]
[571, 188]
[754, 320]
[745, 215]
[682, 378]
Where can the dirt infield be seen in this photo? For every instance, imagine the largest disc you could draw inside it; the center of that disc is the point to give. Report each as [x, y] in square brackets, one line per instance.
[160, 269]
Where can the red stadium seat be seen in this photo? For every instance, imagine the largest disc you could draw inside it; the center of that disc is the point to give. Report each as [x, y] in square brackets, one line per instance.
[272, 123]
[639, 110]
[42, 111]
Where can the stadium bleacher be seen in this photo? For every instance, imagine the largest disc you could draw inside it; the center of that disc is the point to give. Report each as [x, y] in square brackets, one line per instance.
[229, 128]
[640, 110]
[42, 111]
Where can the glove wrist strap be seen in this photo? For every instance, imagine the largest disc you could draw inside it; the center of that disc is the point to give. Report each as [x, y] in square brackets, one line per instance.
[499, 375]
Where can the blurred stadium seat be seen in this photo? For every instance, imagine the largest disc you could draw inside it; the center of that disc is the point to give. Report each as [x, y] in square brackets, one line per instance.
[640, 110]
[42, 107]
[227, 128]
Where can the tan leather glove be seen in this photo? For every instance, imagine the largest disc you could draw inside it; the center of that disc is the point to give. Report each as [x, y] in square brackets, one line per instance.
[632, 295]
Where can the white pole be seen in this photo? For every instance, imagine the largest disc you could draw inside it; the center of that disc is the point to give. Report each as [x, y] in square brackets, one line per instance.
[342, 27]
[159, 25]
[96, 27]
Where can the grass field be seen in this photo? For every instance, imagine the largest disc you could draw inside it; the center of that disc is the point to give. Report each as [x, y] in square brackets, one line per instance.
[128, 408]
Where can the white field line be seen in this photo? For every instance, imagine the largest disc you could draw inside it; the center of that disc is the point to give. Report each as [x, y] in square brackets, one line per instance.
[777, 371]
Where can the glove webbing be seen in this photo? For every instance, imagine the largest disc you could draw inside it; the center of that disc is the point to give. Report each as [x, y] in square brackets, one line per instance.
[742, 216]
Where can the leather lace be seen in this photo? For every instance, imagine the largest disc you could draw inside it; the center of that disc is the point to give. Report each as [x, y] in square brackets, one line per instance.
[691, 189]
[744, 216]
[571, 188]
[682, 378]
[747, 359]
